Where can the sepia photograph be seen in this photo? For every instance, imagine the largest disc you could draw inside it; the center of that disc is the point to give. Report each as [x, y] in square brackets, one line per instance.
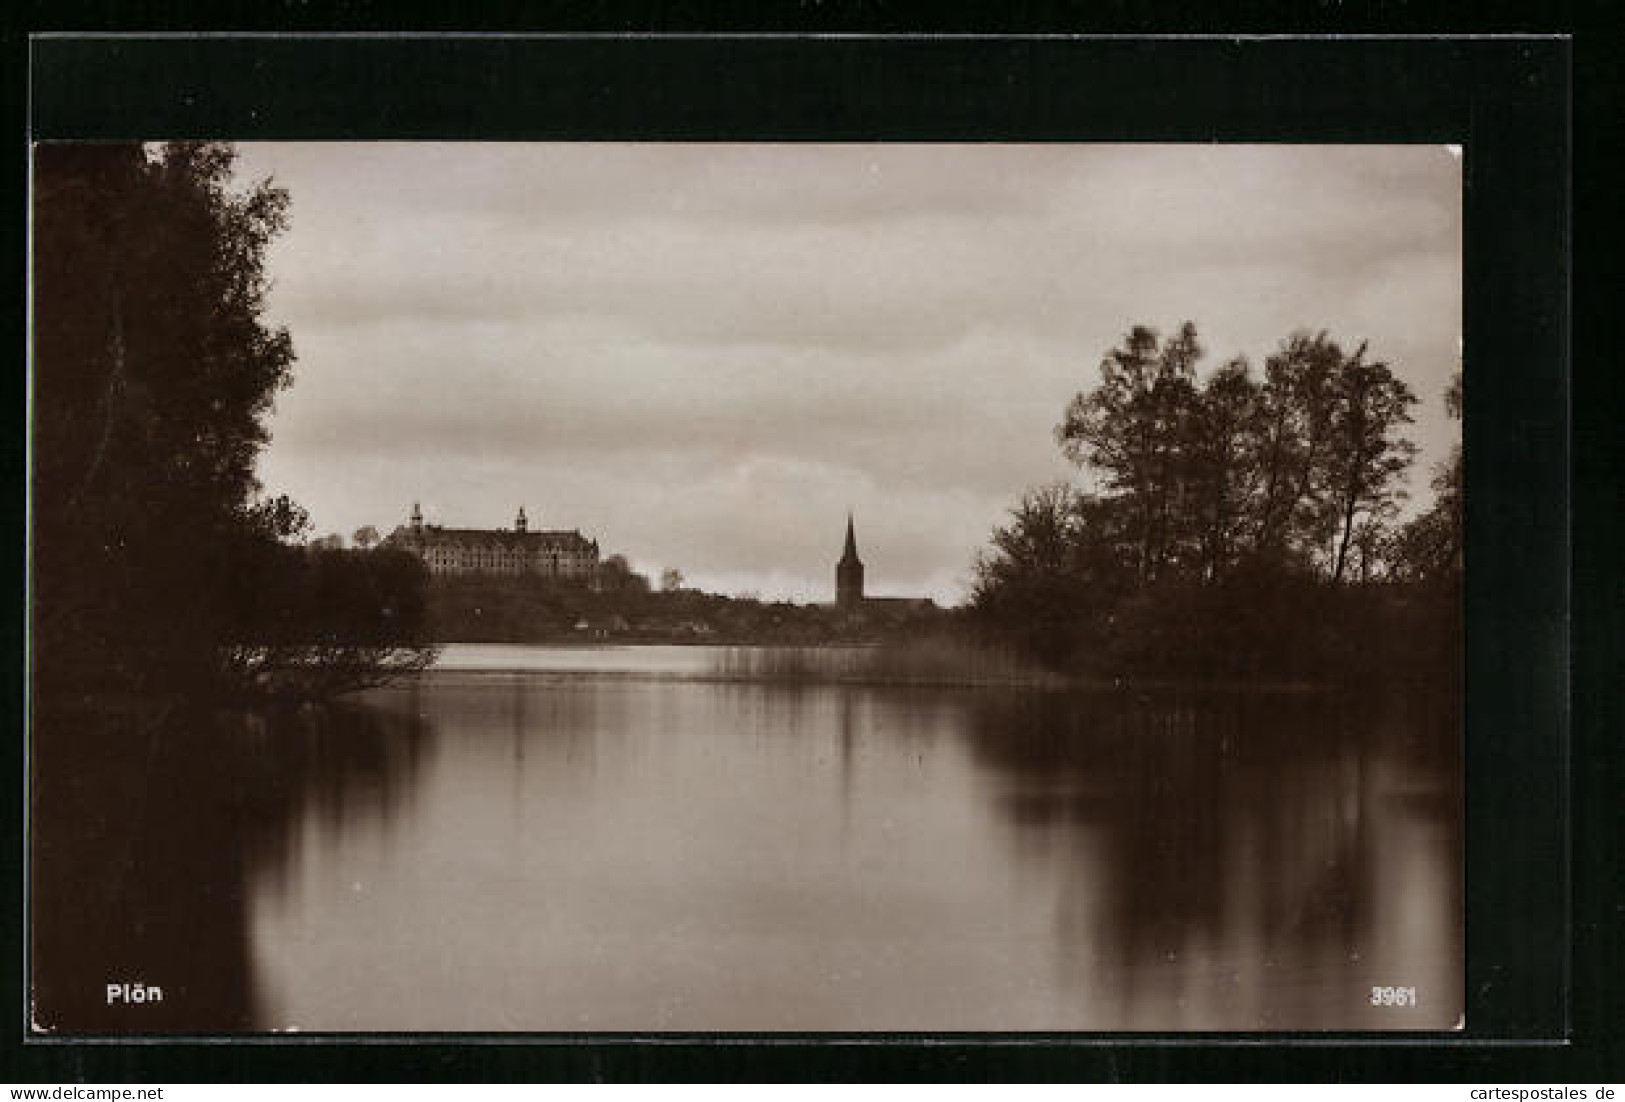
[600, 588]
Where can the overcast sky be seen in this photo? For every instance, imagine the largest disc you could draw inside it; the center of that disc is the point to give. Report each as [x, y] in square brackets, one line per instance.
[703, 355]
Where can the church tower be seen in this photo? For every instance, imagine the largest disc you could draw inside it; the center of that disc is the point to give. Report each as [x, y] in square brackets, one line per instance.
[417, 518]
[849, 572]
[519, 522]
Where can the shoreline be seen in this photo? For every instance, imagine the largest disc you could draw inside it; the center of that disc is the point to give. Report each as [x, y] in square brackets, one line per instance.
[963, 677]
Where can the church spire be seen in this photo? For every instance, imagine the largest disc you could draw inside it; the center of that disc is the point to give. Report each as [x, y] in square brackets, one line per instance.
[850, 552]
[849, 571]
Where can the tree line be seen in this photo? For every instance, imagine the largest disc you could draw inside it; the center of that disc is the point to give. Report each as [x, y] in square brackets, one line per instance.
[159, 565]
[1234, 523]
[620, 604]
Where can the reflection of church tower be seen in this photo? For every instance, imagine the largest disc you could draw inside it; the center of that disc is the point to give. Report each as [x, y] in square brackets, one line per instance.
[849, 572]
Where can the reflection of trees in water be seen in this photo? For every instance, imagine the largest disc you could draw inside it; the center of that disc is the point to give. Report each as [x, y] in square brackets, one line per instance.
[1231, 827]
[147, 830]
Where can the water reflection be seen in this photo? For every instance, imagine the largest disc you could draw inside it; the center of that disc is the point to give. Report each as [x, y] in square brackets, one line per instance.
[557, 852]
[149, 828]
[1238, 861]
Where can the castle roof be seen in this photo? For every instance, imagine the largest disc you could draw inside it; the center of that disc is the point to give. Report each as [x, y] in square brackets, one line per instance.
[431, 533]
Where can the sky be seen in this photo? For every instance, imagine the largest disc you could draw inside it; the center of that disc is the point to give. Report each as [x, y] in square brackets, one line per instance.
[705, 355]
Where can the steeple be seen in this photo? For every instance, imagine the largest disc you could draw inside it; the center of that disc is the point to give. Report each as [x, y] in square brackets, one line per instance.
[519, 521]
[849, 571]
[850, 553]
[417, 517]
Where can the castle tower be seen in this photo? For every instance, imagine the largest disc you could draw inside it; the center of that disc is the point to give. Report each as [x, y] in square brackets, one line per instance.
[417, 518]
[849, 572]
[519, 521]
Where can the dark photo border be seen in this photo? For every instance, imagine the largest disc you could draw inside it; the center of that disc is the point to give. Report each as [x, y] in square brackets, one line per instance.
[1506, 100]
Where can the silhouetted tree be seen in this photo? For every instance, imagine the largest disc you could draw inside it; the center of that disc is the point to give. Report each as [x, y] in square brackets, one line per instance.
[1230, 512]
[1057, 563]
[1219, 456]
[1429, 548]
[153, 373]
[323, 621]
[153, 370]
[1132, 428]
[1292, 425]
[615, 575]
[1365, 459]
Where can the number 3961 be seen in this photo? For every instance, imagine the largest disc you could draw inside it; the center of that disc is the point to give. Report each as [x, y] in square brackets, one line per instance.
[1393, 996]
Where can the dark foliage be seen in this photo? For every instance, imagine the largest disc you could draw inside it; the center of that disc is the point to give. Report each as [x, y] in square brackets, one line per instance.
[1243, 528]
[153, 373]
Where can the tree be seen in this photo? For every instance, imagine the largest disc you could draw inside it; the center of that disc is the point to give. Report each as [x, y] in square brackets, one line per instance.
[1131, 429]
[1052, 567]
[1228, 513]
[153, 372]
[1447, 483]
[330, 621]
[1290, 430]
[615, 575]
[671, 580]
[1429, 548]
[1219, 471]
[1365, 460]
[365, 537]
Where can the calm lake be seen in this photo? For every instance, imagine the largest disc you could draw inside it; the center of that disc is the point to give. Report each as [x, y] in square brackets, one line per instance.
[530, 839]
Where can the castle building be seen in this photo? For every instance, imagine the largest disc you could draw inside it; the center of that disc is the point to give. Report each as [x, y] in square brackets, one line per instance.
[550, 554]
[849, 573]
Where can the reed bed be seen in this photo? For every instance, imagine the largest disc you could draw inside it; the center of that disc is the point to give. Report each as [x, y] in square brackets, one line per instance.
[928, 661]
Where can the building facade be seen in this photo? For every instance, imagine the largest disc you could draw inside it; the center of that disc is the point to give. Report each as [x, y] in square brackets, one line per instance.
[515, 551]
